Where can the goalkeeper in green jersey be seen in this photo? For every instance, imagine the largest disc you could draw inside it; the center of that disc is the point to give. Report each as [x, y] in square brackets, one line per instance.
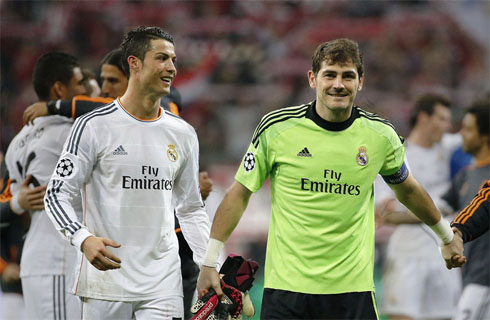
[322, 158]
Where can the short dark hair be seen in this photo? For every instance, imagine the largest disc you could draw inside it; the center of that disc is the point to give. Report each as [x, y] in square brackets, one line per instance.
[138, 41]
[52, 67]
[481, 110]
[115, 58]
[338, 51]
[426, 103]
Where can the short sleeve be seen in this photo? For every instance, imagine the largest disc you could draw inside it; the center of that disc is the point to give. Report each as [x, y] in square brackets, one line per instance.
[256, 164]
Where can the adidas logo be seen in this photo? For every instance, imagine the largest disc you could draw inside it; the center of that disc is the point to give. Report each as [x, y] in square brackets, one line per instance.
[304, 153]
[120, 151]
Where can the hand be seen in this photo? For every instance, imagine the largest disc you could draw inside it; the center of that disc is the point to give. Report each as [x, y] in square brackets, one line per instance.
[31, 199]
[205, 184]
[453, 252]
[38, 109]
[94, 248]
[208, 278]
[11, 273]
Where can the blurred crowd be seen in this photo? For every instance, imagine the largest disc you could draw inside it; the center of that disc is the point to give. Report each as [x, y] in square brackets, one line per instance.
[238, 60]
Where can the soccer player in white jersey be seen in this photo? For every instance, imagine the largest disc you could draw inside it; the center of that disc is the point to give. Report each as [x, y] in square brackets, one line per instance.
[47, 262]
[133, 162]
[416, 283]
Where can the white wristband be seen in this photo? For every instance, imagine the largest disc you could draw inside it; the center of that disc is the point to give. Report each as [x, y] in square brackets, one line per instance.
[443, 231]
[15, 205]
[212, 253]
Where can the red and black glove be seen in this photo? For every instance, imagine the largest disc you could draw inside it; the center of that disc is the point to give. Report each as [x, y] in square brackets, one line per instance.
[236, 279]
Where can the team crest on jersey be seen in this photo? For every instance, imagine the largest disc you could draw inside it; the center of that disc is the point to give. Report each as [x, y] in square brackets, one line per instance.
[172, 153]
[362, 157]
[64, 168]
[249, 161]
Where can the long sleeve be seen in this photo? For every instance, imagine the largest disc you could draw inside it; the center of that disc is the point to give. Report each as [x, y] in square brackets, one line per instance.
[189, 208]
[63, 196]
[473, 220]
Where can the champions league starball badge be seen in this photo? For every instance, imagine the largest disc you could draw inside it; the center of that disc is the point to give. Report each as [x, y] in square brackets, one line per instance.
[249, 162]
[64, 168]
[362, 157]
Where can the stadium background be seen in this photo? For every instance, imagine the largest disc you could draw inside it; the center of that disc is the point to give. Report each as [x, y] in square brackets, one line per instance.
[240, 59]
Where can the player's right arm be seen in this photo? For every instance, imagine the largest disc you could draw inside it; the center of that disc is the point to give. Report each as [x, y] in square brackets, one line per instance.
[74, 108]
[226, 219]
[63, 195]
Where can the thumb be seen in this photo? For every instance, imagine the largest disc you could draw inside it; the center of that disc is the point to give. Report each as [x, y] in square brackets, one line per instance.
[110, 243]
[27, 181]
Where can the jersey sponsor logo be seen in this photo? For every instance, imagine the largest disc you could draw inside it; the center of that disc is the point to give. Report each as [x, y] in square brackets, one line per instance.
[172, 153]
[362, 157]
[304, 153]
[120, 151]
[64, 168]
[331, 184]
[150, 180]
[249, 161]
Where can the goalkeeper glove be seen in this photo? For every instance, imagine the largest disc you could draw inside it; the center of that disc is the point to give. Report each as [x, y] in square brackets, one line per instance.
[236, 279]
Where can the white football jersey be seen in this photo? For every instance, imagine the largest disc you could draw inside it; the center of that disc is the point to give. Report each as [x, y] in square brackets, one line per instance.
[35, 150]
[130, 171]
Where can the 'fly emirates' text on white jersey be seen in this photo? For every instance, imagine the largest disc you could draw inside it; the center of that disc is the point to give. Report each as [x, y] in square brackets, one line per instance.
[130, 172]
[35, 151]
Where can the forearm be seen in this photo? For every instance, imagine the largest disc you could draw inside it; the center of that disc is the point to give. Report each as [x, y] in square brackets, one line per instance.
[397, 218]
[418, 201]
[230, 211]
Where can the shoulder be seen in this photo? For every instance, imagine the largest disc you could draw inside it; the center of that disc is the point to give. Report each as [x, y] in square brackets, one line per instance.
[178, 123]
[98, 113]
[378, 124]
[281, 118]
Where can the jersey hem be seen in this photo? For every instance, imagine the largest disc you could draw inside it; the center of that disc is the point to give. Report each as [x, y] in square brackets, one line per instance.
[128, 298]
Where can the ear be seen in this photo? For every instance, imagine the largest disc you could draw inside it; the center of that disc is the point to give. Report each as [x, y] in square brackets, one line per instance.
[134, 63]
[311, 79]
[361, 82]
[58, 90]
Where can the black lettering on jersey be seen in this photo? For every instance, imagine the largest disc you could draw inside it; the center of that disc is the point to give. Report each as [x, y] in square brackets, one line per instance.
[146, 184]
[329, 187]
[23, 169]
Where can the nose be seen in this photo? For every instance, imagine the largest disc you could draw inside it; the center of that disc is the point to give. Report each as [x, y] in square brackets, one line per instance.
[338, 83]
[105, 89]
[171, 67]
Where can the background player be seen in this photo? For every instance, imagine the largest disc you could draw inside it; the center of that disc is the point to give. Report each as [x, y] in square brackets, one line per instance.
[474, 302]
[414, 273]
[131, 179]
[320, 248]
[47, 261]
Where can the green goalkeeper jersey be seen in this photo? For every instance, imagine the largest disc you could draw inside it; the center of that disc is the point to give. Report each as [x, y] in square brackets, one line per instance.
[321, 233]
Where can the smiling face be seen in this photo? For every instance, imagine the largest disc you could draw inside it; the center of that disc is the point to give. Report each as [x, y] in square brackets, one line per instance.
[157, 71]
[336, 88]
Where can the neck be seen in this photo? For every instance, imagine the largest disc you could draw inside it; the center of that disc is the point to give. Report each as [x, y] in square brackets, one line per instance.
[420, 138]
[482, 155]
[141, 105]
[333, 115]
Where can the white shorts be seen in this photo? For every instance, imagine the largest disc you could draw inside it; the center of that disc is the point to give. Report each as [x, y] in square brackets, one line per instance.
[420, 289]
[474, 303]
[168, 308]
[48, 297]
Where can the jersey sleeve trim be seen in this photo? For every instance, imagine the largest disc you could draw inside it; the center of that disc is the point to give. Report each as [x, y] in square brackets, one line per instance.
[397, 177]
[469, 210]
[276, 117]
[80, 124]
[59, 214]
